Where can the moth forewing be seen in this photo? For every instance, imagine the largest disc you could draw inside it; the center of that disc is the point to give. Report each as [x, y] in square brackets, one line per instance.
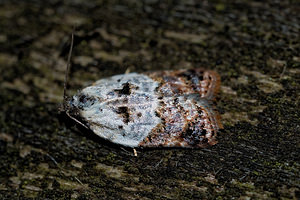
[154, 109]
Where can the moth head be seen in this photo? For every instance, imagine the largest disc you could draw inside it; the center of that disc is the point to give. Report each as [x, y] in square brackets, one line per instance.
[67, 106]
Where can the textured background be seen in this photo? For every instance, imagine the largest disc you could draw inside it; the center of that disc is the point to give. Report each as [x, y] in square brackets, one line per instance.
[254, 47]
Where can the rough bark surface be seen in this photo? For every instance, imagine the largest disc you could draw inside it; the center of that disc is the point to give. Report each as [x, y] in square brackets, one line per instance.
[253, 45]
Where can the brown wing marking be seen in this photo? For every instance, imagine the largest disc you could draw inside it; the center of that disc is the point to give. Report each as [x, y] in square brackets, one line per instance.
[201, 81]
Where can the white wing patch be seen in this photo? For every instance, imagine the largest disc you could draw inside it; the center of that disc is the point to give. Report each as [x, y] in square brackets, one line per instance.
[121, 108]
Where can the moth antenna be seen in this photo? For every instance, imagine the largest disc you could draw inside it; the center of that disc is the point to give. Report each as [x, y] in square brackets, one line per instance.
[67, 71]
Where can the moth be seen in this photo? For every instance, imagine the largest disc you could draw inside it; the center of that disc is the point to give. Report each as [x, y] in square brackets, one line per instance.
[152, 109]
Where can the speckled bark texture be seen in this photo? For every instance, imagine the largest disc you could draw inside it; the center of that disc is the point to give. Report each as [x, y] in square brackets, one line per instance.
[254, 47]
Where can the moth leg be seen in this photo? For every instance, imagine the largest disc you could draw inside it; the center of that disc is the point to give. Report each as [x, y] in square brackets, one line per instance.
[76, 120]
[127, 71]
[134, 152]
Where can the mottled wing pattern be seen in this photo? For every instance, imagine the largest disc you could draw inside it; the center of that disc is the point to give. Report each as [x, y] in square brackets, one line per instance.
[186, 109]
[120, 108]
[204, 82]
[165, 108]
[187, 121]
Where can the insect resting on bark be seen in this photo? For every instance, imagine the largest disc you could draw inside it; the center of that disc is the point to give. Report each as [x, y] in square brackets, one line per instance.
[172, 108]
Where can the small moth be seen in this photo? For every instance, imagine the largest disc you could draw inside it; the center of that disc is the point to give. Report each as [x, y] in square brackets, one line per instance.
[153, 109]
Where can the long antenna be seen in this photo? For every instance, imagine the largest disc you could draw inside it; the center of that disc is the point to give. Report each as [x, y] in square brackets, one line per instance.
[67, 71]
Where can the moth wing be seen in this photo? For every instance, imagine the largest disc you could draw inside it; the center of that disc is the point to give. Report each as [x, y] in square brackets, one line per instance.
[190, 81]
[120, 108]
[195, 123]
